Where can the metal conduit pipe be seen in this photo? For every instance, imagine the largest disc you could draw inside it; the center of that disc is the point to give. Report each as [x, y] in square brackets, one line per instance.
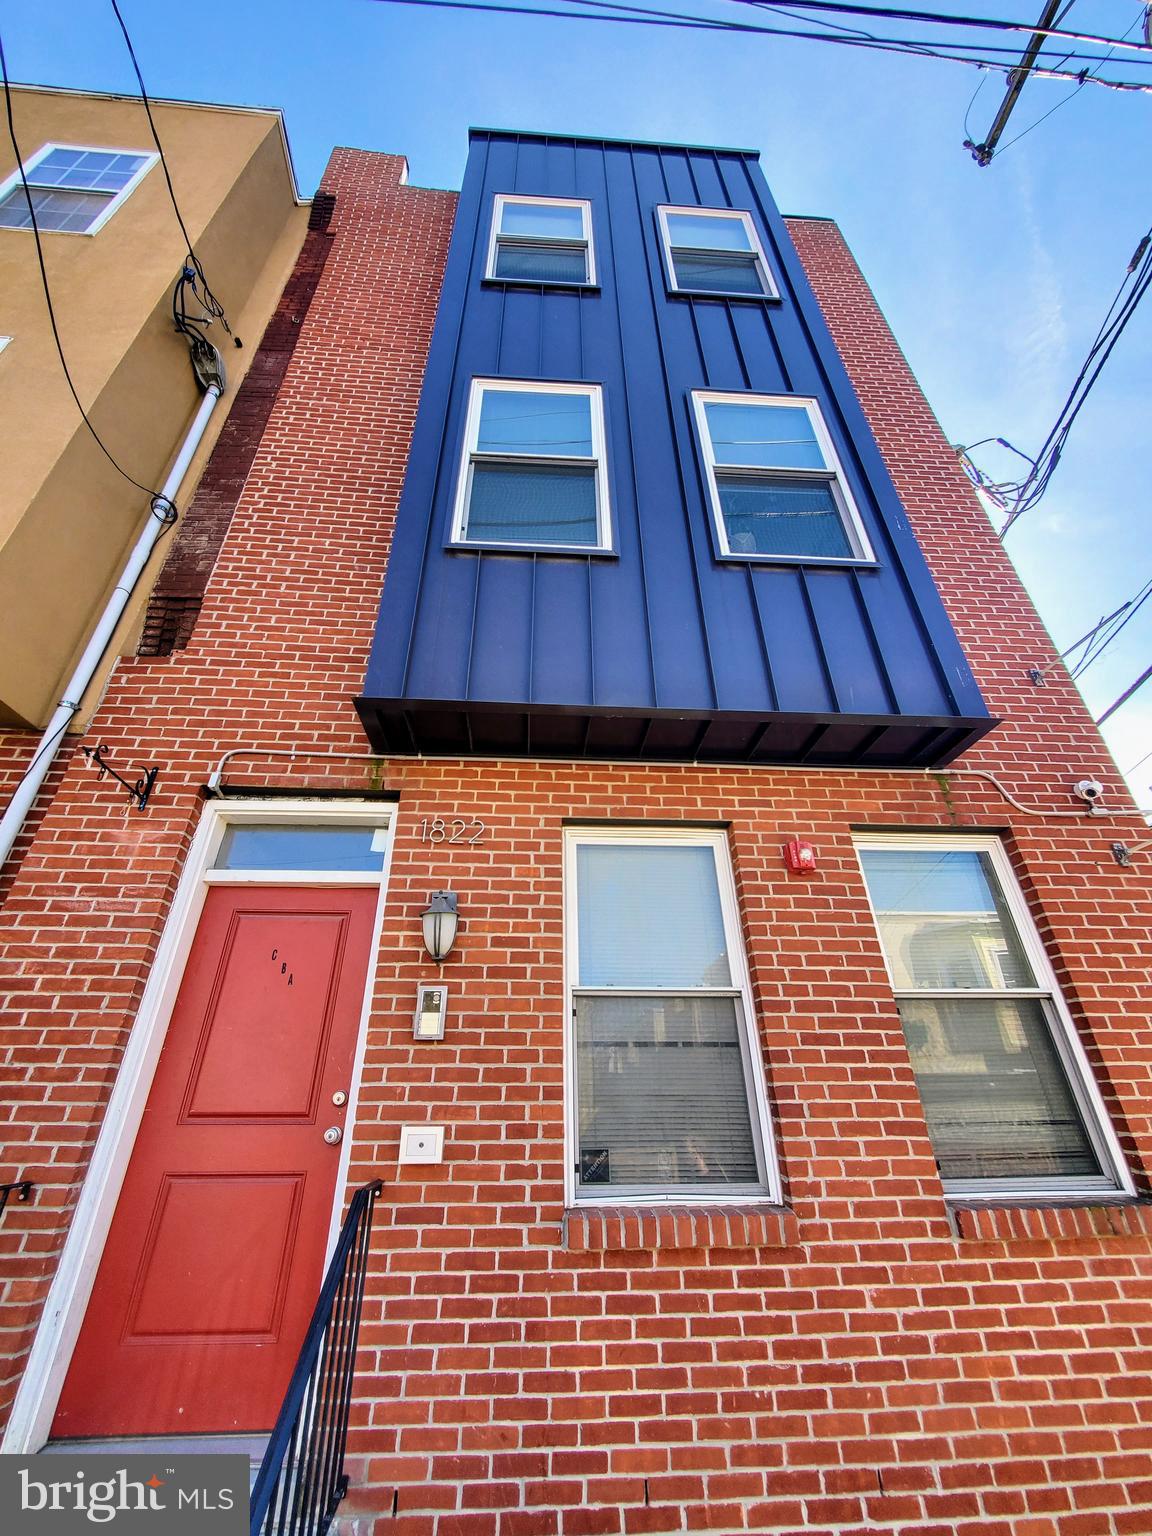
[214, 784]
[161, 514]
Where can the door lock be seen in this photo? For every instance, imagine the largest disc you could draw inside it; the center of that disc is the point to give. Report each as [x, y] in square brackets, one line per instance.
[339, 1098]
[333, 1135]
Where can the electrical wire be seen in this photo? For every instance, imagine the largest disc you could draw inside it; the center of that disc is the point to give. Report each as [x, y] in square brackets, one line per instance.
[1075, 90]
[1026, 493]
[1138, 764]
[940, 18]
[46, 286]
[214, 309]
[1118, 622]
[628, 15]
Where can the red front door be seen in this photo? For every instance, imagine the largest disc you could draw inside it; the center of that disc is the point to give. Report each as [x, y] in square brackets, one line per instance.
[214, 1257]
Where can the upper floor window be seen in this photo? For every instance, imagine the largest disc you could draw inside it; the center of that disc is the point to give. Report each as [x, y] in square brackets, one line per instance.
[775, 484]
[714, 250]
[668, 1098]
[1007, 1091]
[542, 240]
[533, 474]
[73, 190]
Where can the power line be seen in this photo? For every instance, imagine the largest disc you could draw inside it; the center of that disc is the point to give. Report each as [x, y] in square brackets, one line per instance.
[1135, 284]
[940, 18]
[214, 309]
[634, 16]
[1126, 695]
[120, 470]
[1109, 629]
[987, 152]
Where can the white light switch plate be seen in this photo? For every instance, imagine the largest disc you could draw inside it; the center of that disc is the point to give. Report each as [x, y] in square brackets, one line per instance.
[421, 1143]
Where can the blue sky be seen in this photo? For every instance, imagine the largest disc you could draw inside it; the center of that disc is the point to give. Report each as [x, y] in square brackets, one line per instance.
[994, 280]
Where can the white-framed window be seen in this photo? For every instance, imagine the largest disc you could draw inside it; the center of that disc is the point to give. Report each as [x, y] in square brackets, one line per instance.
[75, 189]
[4, 340]
[541, 240]
[714, 251]
[1009, 1096]
[667, 1097]
[533, 474]
[774, 482]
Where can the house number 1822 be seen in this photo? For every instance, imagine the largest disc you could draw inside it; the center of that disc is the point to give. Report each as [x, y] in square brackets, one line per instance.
[434, 829]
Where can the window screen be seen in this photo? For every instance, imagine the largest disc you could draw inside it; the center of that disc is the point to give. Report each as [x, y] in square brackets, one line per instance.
[664, 1099]
[541, 240]
[712, 251]
[1002, 1104]
[534, 474]
[775, 485]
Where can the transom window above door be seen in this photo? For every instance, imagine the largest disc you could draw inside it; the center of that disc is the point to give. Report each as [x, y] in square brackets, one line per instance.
[74, 190]
[774, 482]
[714, 251]
[542, 240]
[533, 473]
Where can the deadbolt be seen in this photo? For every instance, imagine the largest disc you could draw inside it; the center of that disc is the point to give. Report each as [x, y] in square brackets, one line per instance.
[333, 1134]
[339, 1097]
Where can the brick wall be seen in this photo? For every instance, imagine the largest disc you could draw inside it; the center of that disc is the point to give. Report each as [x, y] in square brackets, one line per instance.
[862, 1361]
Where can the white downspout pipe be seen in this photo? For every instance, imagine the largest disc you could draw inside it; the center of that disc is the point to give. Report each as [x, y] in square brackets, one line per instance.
[162, 511]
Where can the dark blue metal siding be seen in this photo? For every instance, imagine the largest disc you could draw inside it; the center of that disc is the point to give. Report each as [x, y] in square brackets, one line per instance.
[661, 625]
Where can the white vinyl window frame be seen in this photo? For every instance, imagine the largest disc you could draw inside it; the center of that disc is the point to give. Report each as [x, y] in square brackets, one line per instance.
[770, 1189]
[756, 249]
[497, 238]
[115, 200]
[459, 537]
[1116, 1179]
[30, 1421]
[832, 476]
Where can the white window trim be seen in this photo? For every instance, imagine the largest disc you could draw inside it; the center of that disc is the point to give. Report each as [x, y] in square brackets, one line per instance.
[543, 241]
[833, 477]
[598, 462]
[114, 201]
[770, 1192]
[34, 1406]
[1065, 1036]
[767, 281]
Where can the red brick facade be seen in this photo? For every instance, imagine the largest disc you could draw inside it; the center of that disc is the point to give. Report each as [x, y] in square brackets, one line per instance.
[864, 1360]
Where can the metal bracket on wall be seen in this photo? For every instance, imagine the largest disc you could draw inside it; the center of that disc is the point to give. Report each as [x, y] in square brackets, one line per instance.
[139, 792]
[20, 1192]
[1122, 852]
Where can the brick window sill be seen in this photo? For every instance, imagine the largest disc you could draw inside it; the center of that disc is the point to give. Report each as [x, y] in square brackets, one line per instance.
[623, 1228]
[1045, 1223]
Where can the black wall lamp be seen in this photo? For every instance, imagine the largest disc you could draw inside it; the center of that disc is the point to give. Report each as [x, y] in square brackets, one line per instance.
[439, 921]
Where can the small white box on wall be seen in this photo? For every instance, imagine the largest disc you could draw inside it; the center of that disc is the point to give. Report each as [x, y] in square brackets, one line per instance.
[421, 1143]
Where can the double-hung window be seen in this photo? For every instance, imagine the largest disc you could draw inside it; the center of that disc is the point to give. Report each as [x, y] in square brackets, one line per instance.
[533, 473]
[775, 484]
[542, 240]
[73, 190]
[714, 251]
[1007, 1091]
[668, 1098]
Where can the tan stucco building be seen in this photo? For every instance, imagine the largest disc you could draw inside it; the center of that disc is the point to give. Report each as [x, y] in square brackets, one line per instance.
[67, 518]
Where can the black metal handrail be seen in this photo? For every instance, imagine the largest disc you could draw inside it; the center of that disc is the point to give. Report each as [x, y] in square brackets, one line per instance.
[302, 1478]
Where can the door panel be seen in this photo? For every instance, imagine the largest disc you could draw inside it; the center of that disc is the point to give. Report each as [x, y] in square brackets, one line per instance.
[215, 1253]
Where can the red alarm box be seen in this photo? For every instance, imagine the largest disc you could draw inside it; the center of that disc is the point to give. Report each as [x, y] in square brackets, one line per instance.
[800, 856]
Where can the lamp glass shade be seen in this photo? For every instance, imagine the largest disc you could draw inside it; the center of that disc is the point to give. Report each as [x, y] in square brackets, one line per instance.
[439, 921]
